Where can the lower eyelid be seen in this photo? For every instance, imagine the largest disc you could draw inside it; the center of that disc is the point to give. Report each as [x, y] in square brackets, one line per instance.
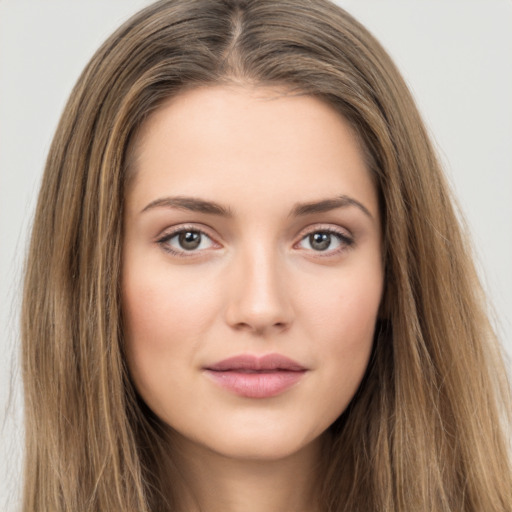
[344, 240]
[164, 240]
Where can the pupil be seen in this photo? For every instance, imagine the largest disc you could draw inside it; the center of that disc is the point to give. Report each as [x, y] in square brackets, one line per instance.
[189, 240]
[320, 241]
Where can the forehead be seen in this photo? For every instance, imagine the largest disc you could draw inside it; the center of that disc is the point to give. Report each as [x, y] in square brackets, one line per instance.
[241, 144]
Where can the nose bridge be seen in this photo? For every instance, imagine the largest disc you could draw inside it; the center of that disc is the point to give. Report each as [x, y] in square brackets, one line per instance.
[258, 299]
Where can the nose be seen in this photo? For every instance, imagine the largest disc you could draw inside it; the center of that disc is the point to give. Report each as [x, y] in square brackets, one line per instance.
[258, 298]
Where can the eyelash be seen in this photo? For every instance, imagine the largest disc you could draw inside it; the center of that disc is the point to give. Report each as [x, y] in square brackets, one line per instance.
[346, 242]
[165, 239]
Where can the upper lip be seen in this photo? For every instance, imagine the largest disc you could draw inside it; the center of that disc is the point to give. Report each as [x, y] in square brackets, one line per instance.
[267, 362]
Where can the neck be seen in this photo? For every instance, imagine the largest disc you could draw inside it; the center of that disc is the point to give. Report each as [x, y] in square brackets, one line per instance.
[212, 482]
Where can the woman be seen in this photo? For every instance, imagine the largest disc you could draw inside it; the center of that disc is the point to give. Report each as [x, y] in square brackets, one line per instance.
[247, 287]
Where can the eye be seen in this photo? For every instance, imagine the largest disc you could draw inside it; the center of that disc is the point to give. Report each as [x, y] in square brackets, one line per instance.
[328, 241]
[186, 240]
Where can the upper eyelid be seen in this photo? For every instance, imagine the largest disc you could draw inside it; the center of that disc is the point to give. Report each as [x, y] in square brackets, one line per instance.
[345, 237]
[163, 240]
[329, 228]
[206, 230]
[170, 232]
[174, 230]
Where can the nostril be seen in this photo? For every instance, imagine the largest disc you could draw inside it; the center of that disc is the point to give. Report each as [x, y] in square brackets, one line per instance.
[260, 327]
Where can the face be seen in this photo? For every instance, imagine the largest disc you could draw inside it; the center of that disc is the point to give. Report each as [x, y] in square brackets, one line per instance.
[252, 272]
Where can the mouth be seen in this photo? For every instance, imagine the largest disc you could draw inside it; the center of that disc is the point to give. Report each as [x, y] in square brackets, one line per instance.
[256, 377]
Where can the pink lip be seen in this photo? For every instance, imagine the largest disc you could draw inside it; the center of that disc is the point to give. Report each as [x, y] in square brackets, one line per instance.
[256, 377]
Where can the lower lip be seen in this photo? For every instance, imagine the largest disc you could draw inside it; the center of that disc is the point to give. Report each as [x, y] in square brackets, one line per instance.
[257, 384]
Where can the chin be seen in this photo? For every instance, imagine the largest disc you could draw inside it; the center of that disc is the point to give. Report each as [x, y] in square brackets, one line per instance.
[261, 451]
[259, 446]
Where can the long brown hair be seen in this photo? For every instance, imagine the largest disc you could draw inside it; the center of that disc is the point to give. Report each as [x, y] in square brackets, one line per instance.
[427, 429]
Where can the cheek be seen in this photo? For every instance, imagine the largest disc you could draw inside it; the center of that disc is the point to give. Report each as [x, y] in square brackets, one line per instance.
[346, 303]
[165, 319]
[343, 318]
[161, 301]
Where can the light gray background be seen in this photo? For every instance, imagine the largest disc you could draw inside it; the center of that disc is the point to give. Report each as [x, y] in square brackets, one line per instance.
[456, 56]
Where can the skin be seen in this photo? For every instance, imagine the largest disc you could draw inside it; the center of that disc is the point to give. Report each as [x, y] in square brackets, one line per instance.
[257, 284]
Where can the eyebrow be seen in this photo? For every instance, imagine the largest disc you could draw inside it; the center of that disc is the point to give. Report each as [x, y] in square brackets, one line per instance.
[326, 205]
[194, 204]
